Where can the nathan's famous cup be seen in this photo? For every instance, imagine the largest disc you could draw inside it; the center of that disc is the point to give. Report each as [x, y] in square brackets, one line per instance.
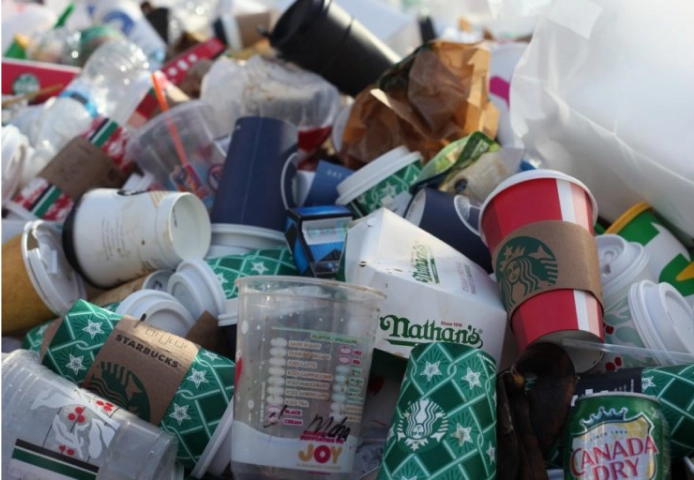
[539, 227]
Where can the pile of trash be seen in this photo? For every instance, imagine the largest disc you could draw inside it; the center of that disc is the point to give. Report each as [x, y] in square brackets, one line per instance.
[349, 239]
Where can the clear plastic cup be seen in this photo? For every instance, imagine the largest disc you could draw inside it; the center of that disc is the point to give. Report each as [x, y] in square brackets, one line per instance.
[50, 428]
[303, 356]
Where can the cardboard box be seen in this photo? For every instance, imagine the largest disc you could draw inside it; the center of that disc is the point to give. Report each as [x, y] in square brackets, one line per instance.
[434, 292]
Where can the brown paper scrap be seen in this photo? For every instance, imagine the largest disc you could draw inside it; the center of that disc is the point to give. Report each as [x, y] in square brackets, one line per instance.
[81, 166]
[434, 96]
[546, 256]
[149, 363]
[119, 293]
[209, 335]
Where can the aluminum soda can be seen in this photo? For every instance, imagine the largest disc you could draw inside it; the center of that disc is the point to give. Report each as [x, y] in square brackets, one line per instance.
[616, 435]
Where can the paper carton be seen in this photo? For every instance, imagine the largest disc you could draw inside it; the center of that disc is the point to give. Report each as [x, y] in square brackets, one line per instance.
[434, 292]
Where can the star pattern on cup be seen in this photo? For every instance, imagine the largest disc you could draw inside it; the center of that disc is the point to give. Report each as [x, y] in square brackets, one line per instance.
[462, 434]
[221, 278]
[259, 268]
[210, 355]
[431, 370]
[180, 413]
[409, 478]
[389, 191]
[93, 329]
[472, 378]
[647, 382]
[197, 377]
[75, 364]
[491, 453]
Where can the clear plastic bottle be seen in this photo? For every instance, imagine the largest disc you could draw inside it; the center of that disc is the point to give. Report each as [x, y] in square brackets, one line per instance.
[126, 16]
[104, 82]
[51, 429]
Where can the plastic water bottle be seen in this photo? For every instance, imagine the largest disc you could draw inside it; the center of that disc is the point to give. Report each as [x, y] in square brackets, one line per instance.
[104, 83]
[126, 16]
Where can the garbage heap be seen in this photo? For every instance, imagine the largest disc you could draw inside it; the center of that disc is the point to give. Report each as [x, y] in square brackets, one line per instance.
[347, 239]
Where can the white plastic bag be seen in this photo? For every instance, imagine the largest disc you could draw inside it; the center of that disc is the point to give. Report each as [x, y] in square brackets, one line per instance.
[604, 93]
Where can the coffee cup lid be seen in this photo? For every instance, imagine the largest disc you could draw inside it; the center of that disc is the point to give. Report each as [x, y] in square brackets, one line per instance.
[372, 173]
[231, 316]
[157, 280]
[196, 287]
[663, 317]
[14, 151]
[217, 453]
[528, 175]
[55, 281]
[620, 260]
[160, 310]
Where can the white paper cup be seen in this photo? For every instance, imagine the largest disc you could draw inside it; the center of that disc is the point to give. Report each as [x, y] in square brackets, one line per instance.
[622, 264]
[158, 309]
[235, 239]
[384, 182]
[504, 59]
[112, 237]
[12, 228]
[197, 287]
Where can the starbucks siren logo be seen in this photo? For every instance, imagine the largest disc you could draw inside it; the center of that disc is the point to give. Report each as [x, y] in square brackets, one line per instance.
[423, 421]
[25, 83]
[524, 266]
[121, 386]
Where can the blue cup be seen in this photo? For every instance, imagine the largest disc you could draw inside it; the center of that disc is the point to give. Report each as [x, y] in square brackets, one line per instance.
[256, 185]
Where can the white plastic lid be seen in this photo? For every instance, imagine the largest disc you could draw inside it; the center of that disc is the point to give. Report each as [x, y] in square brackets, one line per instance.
[197, 288]
[231, 315]
[663, 317]
[375, 171]
[55, 281]
[11, 228]
[620, 262]
[217, 453]
[538, 174]
[157, 280]
[236, 239]
[14, 152]
[160, 309]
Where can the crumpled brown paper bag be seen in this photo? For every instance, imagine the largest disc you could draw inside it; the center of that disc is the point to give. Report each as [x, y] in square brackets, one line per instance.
[436, 95]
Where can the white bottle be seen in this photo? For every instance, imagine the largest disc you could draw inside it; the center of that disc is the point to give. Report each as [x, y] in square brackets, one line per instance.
[126, 16]
[100, 87]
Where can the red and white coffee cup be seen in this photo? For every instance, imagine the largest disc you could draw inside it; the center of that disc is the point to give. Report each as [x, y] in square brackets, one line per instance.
[537, 196]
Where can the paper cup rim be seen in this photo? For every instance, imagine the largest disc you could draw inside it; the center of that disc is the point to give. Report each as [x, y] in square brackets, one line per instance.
[624, 219]
[198, 212]
[529, 175]
[55, 297]
[220, 434]
[636, 262]
[374, 172]
[238, 229]
[173, 112]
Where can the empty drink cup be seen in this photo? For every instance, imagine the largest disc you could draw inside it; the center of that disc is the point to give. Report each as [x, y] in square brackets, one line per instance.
[52, 429]
[178, 148]
[321, 37]
[539, 227]
[304, 351]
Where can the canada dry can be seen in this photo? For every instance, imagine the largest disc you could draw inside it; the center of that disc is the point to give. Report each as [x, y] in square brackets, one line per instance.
[617, 435]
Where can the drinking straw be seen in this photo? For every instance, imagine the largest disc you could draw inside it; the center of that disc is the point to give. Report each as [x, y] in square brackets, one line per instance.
[31, 95]
[64, 16]
[660, 355]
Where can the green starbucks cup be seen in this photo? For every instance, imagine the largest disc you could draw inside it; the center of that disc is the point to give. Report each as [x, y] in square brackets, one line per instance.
[444, 425]
[143, 369]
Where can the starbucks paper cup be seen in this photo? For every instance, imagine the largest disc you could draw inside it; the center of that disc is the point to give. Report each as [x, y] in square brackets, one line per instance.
[112, 237]
[197, 407]
[154, 281]
[384, 182]
[539, 226]
[445, 420]
[622, 264]
[653, 316]
[235, 239]
[668, 258]
[158, 309]
[37, 281]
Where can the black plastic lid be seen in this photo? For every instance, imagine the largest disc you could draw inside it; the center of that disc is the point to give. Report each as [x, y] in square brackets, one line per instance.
[290, 30]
